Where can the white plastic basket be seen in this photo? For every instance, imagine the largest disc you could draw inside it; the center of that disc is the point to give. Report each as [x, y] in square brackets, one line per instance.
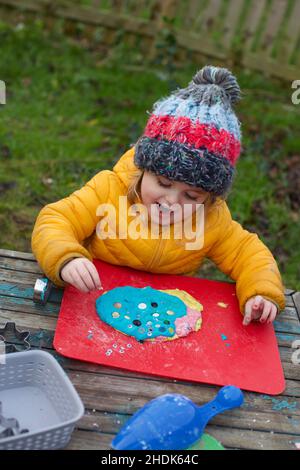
[35, 390]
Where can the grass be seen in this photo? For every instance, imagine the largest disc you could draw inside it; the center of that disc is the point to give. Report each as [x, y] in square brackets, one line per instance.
[69, 114]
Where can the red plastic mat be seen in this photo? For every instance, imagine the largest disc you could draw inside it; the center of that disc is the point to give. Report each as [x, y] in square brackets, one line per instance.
[222, 352]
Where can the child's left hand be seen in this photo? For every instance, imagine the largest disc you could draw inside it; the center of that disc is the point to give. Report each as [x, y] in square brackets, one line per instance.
[259, 308]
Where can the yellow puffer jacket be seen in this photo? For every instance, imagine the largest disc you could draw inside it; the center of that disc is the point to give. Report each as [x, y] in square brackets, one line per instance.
[67, 229]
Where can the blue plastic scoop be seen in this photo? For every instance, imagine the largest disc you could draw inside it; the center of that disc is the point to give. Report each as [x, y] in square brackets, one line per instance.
[173, 421]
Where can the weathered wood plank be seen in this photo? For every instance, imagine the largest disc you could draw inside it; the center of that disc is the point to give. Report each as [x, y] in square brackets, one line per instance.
[291, 326]
[252, 22]
[117, 5]
[286, 339]
[95, 3]
[22, 295]
[28, 306]
[235, 419]
[26, 291]
[286, 356]
[208, 20]
[9, 275]
[235, 439]
[289, 301]
[126, 396]
[106, 422]
[17, 254]
[274, 19]
[20, 284]
[89, 16]
[15, 264]
[270, 67]
[293, 387]
[190, 13]
[242, 419]
[254, 439]
[289, 314]
[291, 371]
[87, 440]
[29, 322]
[263, 422]
[296, 300]
[14, 288]
[291, 32]
[281, 418]
[231, 21]
[289, 291]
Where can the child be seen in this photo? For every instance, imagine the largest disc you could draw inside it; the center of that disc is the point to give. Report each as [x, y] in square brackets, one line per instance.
[185, 158]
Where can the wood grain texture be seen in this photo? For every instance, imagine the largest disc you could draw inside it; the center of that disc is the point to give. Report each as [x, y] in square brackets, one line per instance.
[111, 395]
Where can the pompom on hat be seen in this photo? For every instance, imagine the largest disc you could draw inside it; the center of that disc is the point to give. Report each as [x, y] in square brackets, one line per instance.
[194, 136]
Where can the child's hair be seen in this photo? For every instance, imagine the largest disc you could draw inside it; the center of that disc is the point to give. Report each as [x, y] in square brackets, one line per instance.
[134, 192]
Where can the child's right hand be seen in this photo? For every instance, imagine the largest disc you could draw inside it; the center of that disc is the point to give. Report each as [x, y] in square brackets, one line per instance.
[82, 274]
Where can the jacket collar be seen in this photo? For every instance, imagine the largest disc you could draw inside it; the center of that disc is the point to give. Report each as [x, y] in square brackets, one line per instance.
[125, 167]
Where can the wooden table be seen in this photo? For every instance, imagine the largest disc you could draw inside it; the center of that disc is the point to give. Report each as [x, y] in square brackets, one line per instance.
[110, 396]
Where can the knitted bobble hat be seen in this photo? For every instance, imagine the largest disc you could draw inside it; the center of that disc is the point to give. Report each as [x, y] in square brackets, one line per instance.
[194, 136]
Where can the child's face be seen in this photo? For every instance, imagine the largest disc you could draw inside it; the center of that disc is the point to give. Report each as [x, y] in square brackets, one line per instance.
[163, 193]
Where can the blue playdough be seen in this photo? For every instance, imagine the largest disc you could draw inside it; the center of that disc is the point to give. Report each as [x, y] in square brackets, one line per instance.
[143, 313]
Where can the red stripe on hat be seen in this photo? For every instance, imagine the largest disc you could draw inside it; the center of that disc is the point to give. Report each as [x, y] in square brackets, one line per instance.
[197, 135]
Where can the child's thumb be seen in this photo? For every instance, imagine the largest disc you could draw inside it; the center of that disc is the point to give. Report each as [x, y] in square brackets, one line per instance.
[99, 284]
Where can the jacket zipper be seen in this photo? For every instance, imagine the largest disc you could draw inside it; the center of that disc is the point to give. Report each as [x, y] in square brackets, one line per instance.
[157, 253]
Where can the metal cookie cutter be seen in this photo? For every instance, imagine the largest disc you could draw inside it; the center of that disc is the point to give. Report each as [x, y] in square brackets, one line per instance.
[42, 289]
[9, 426]
[10, 333]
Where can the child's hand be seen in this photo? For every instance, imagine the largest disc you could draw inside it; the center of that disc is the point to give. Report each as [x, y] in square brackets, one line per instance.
[259, 308]
[82, 274]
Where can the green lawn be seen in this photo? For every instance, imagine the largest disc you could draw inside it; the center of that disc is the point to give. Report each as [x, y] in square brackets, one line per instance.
[69, 114]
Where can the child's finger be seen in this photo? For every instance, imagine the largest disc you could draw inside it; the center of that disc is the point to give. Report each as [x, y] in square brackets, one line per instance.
[247, 316]
[257, 302]
[255, 314]
[272, 314]
[87, 277]
[266, 311]
[95, 276]
[78, 282]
